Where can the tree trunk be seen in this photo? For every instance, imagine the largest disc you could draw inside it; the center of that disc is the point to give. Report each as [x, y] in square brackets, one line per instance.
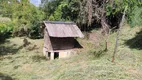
[105, 31]
[118, 33]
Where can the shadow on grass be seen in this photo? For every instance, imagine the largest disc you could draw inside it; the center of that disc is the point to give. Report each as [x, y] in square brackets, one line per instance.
[77, 44]
[38, 58]
[135, 42]
[9, 49]
[98, 54]
[4, 41]
[5, 77]
[4, 36]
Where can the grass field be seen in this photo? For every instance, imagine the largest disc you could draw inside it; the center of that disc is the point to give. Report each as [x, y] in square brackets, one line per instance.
[91, 62]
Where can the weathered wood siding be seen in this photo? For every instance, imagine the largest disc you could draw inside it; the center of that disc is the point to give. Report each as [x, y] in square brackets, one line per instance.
[47, 41]
[62, 43]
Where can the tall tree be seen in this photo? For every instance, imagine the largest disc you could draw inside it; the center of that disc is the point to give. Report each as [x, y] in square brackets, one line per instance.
[61, 10]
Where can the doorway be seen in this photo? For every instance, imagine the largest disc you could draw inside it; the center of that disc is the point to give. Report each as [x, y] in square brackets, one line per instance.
[56, 55]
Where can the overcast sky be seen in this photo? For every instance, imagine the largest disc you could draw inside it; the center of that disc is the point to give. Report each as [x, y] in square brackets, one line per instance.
[35, 2]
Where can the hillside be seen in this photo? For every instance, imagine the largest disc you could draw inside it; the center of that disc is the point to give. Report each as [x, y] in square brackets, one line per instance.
[91, 62]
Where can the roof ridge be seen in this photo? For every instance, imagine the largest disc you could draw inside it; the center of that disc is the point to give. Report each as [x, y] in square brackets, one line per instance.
[58, 22]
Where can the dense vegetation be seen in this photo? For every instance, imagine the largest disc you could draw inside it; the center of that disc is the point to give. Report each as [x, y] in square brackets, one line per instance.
[92, 11]
[25, 17]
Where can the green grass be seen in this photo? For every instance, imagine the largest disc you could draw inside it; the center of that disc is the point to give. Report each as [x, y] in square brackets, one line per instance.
[91, 63]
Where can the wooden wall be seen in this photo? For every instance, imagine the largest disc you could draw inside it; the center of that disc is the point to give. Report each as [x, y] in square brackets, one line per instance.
[47, 41]
[62, 43]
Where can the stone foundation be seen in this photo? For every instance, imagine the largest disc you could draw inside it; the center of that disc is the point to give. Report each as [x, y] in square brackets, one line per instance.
[60, 54]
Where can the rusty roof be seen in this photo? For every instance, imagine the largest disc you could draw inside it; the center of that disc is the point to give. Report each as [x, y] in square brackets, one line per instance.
[63, 29]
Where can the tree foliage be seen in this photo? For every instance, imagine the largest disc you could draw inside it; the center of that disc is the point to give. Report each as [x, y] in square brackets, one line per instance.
[6, 28]
[133, 13]
[25, 16]
[90, 11]
[61, 10]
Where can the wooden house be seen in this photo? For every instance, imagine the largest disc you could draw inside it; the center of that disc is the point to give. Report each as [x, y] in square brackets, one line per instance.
[59, 38]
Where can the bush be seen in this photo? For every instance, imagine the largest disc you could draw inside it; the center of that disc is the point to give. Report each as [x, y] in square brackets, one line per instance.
[135, 18]
[34, 31]
[6, 30]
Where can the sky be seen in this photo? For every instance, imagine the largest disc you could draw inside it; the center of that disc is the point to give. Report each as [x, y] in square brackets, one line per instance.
[35, 2]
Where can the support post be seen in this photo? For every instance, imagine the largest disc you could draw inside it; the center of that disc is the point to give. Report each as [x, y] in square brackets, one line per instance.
[52, 55]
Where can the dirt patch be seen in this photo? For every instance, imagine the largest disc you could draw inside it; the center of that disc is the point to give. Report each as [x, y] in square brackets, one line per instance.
[96, 38]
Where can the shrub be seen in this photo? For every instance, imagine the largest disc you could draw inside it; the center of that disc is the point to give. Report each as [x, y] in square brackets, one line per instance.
[5, 30]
